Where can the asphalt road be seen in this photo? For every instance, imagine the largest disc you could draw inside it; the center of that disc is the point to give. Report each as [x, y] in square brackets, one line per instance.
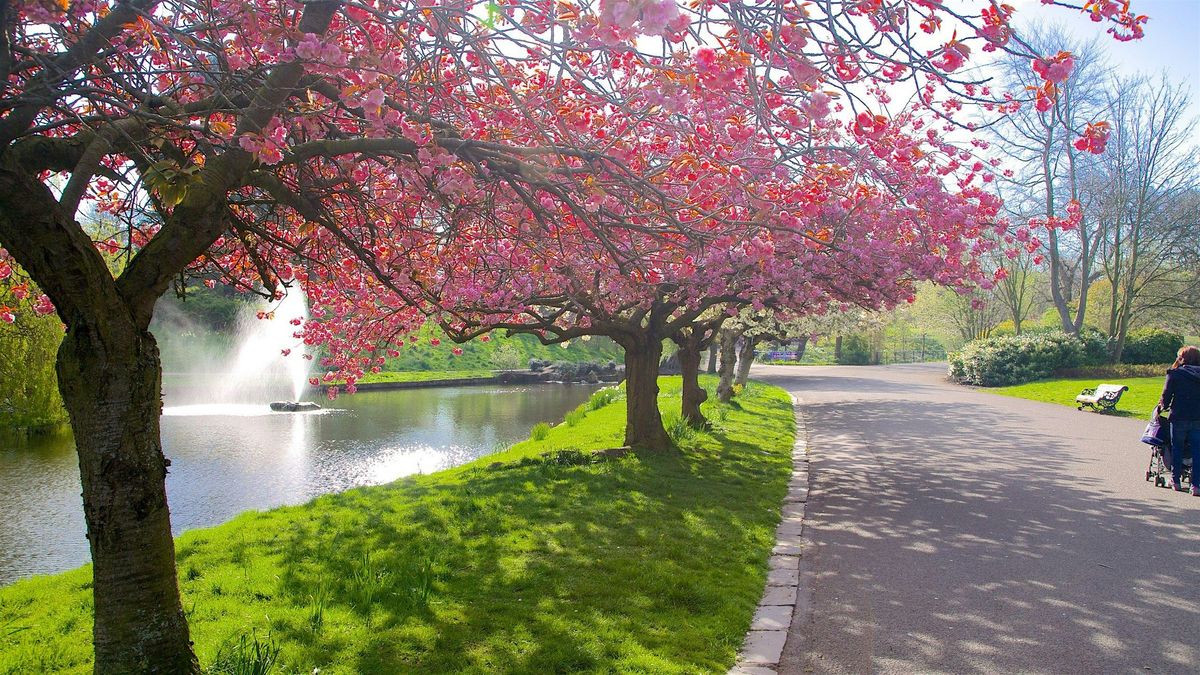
[952, 530]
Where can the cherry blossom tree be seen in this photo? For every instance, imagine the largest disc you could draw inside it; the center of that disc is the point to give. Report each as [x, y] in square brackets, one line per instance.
[382, 155]
[781, 241]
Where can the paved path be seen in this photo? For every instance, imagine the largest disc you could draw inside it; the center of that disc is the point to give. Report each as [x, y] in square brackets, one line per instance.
[951, 530]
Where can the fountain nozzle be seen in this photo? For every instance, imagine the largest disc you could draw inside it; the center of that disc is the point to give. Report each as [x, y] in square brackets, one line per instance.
[294, 406]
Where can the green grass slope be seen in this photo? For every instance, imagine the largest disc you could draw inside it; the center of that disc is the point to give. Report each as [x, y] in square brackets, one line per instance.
[651, 562]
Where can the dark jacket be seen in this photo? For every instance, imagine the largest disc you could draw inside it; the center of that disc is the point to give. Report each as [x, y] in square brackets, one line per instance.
[1182, 393]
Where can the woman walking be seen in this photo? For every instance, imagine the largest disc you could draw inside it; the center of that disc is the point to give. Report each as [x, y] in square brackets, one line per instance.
[1181, 394]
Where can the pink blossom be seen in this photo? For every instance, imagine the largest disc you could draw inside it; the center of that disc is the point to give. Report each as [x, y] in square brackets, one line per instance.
[659, 17]
[42, 306]
[817, 106]
[1054, 69]
[803, 71]
[309, 47]
[706, 59]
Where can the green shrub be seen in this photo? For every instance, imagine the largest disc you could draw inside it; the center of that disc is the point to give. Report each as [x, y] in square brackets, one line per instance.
[1006, 327]
[682, 434]
[246, 656]
[575, 416]
[1097, 347]
[1151, 346]
[1110, 371]
[568, 369]
[856, 351]
[1016, 359]
[508, 357]
[539, 432]
[29, 399]
[603, 397]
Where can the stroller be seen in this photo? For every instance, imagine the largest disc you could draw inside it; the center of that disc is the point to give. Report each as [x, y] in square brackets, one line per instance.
[1158, 437]
[1160, 466]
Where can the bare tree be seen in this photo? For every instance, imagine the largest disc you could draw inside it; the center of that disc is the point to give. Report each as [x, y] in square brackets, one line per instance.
[1016, 291]
[1145, 204]
[1038, 141]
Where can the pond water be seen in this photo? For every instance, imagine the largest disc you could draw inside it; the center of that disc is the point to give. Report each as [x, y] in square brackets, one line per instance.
[228, 458]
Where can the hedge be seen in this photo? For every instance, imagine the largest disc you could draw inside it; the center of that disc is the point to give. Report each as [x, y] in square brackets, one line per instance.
[1151, 345]
[1016, 359]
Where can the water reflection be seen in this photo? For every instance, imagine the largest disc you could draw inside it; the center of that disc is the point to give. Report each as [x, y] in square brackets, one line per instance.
[226, 459]
[41, 516]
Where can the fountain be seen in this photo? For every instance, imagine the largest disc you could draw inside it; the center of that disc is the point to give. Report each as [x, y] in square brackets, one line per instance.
[268, 364]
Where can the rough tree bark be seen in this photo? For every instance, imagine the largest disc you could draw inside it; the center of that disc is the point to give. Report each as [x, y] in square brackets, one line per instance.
[745, 358]
[728, 342]
[690, 348]
[712, 357]
[643, 424]
[114, 404]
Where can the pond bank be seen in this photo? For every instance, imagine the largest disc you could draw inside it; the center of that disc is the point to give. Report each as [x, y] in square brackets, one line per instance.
[651, 562]
[389, 380]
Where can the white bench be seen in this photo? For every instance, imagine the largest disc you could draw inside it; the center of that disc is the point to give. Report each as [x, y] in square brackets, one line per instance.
[1101, 398]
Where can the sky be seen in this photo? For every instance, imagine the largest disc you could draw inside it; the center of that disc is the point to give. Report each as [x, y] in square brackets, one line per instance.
[1171, 44]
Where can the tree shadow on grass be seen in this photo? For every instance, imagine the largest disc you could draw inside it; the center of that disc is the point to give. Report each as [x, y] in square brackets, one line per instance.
[650, 562]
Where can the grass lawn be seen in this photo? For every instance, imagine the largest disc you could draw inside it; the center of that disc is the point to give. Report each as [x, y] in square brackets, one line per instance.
[652, 562]
[1137, 402]
[423, 375]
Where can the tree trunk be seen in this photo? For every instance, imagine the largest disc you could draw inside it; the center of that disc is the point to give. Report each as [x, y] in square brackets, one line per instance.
[712, 357]
[693, 393]
[643, 423]
[728, 340]
[110, 378]
[112, 388]
[837, 349]
[745, 360]
[801, 347]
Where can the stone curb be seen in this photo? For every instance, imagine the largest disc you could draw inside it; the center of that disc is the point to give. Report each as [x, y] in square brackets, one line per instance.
[768, 633]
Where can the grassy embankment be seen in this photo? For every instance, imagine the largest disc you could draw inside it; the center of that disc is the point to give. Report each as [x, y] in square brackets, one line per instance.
[1137, 402]
[423, 375]
[500, 352]
[552, 562]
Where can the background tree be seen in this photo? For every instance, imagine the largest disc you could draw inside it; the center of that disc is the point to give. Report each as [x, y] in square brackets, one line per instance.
[1144, 206]
[1016, 265]
[958, 318]
[1038, 140]
[29, 398]
[693, 340]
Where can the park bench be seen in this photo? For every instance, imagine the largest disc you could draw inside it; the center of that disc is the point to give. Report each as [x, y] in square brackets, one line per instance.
[1101, 398]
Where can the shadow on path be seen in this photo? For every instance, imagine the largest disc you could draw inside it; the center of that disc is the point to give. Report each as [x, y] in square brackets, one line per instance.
[957, 531]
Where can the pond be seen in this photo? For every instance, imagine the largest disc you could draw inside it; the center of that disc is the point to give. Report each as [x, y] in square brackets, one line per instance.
[228, 458]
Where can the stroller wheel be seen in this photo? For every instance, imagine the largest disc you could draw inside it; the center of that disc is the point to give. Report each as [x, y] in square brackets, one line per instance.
[1160, 482]
[1149, 474]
